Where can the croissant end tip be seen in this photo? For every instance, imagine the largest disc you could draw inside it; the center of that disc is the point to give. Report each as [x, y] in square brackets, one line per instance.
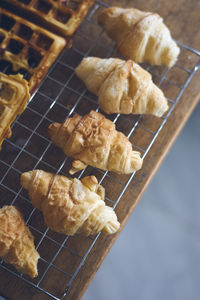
[106, 13]
[90, 182]
[25, 179]
[112, 227]
[34, 272]
[52, 129]
[137, 161]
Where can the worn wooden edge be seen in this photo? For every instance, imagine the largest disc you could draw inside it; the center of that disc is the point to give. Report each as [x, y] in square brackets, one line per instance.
[137, 187]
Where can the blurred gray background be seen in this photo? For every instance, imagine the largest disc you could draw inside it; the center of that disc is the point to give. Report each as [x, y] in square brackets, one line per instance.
[157, 255]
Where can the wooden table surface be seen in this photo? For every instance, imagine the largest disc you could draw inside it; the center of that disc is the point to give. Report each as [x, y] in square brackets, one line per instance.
[182, 17]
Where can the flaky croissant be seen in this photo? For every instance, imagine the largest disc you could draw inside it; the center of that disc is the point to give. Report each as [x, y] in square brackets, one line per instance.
[94, 141]
[122, 86]
[16, 242]
[140, 36]
[70, 205]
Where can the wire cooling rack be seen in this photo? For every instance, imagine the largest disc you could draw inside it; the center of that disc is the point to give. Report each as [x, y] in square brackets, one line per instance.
[61, 95]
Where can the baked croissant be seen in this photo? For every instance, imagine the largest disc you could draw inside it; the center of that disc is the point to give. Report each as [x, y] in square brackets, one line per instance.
[16, 242]
[93, 140]
[70, 205]
[140, 36]
[122, 86]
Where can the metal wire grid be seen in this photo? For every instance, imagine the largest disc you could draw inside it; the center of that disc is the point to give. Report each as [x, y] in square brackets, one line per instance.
[30, 148]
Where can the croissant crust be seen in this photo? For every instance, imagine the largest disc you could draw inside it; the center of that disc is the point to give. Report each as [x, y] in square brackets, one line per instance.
[122, 86]
[93, 140]
[140, 36]
[16, 242]
[70, 205]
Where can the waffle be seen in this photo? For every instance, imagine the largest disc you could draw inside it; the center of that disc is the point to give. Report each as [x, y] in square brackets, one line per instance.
[14, 95]
[26, 48]
[61, 16]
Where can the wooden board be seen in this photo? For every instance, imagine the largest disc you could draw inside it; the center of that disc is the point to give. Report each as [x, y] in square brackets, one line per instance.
[183, 20]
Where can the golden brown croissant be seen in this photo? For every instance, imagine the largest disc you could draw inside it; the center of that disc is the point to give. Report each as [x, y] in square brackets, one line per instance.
[94, 141]
[122, 86]
[140, 36]
[70, 205]
[16, 242]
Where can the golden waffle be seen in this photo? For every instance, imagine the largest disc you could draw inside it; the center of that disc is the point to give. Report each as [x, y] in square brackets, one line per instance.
[61, 16]
[26, 48]
[14, 95]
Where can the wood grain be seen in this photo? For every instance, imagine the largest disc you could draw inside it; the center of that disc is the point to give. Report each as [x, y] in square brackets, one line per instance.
[183, 20]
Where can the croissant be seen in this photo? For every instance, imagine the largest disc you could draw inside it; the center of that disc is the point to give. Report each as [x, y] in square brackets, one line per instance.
[94, 141]
[16, 242]
[70, 205]
[140, 36]
[122, 86]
